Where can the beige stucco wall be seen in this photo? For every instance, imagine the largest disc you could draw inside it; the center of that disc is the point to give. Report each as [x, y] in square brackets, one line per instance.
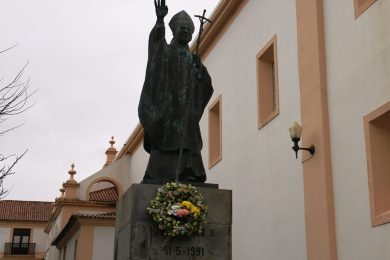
[127, 170]
[259, 165]
[118, 170]
[70, 247]
[358, 59]
[138, 165]
[103, 243]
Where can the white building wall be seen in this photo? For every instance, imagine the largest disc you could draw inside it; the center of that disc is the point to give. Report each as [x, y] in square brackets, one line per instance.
[259, 165]
[358, 66]
[39, 237]
[5, 236]
[70, 247]
[103, 243]
[52, 251]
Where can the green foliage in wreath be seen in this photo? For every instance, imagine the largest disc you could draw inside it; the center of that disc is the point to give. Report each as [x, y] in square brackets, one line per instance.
[178, 209]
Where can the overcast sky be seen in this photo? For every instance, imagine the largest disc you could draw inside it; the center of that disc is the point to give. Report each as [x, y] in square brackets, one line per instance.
[87, 58]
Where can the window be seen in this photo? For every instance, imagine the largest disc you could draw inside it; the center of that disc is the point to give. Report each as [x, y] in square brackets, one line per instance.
[75, 250]
[361, 6]
[267, 83]
[215, 132]
[20, 241]
[64, 253]
[377, 133]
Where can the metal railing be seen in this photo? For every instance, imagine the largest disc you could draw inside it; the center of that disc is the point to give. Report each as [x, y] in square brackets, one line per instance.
[19, 249]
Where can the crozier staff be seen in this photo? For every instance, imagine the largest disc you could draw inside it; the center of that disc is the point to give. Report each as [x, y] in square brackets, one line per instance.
[166, 110]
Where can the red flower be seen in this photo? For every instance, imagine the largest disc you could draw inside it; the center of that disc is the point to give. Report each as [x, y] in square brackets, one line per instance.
[182, 212]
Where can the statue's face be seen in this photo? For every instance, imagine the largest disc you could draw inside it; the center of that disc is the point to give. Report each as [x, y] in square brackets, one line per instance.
[183, 34]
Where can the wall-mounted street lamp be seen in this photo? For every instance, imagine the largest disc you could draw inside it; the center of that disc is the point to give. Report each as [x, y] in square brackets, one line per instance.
[295, 134]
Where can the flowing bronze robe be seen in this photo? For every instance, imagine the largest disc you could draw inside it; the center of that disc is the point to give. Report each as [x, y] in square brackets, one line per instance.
[170, 75]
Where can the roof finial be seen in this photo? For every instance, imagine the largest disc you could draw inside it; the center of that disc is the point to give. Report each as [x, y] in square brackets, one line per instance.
[71, 186]
[110, 152]
[112, 141]
[71, 172]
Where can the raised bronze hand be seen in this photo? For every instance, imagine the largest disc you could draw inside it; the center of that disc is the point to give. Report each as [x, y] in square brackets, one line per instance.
[161, 8]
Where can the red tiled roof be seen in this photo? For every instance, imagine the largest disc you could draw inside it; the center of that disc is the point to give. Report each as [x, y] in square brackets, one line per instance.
[104, 195]
[108, 215]
[16, 210]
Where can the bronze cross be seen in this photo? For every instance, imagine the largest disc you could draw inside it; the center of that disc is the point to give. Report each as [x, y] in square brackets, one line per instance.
[202, 20]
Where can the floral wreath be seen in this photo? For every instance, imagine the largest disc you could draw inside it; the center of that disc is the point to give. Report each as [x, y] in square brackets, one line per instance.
[178, 209]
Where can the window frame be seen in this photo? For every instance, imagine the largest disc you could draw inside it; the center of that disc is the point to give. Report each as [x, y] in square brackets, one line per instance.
[21, 247]
[262, 86]
[215, 158]
[361, 7]
[373, 124]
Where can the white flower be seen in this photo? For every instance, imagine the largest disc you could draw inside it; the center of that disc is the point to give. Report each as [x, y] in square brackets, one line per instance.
[176, 206]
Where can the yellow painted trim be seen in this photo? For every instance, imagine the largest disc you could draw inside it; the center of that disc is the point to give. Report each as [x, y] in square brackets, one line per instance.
[361, 6]
[23, 224]
[263, 121]
[317, 170]
[85, 243]
[132, 142]
[81, 204]
[213, 161]
[78, 224]
[223, 15]
[378, 216]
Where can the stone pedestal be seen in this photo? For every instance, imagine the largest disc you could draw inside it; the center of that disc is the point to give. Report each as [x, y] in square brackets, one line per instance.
[137, 236]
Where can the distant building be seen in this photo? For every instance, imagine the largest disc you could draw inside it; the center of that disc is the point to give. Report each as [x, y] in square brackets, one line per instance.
[22, 225]
[82, 223]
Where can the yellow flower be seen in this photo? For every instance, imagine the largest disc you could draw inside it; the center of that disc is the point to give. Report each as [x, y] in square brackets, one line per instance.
[186, 204]
[195, 210]
[191, 207]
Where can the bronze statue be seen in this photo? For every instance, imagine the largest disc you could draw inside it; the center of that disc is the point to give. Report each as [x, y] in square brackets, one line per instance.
[175, 93]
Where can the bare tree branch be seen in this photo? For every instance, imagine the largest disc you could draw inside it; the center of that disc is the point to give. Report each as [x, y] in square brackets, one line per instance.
[10, 129]
[14, 97]
[8, 170]
[8, 48]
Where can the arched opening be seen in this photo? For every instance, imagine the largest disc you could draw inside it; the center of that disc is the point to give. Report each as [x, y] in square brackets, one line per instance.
[104, 190]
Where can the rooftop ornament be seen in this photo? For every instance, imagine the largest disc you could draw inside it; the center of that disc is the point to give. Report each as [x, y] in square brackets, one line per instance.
[71, 172]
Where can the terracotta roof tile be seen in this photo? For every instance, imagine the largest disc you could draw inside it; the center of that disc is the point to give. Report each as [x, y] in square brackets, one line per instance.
[108, 215]
[104, 195]
[16, 210]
